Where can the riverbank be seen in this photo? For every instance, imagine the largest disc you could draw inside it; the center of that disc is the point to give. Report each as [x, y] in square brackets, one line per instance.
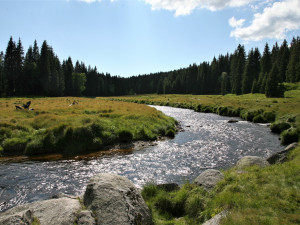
[283, 113]
[76, 125]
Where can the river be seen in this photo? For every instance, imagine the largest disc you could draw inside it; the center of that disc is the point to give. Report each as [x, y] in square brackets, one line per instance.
[206, 141]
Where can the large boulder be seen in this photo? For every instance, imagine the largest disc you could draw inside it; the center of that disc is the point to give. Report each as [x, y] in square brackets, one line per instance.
[251, 161]
[281, 157]
[62, 211]
[115, 200]
[209, 178]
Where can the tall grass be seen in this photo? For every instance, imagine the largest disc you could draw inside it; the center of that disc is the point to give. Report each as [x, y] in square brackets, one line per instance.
[251, 107]
[57, 126]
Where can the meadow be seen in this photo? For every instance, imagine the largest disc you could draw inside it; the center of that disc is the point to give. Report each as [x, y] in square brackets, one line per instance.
[55, 125]
[283, 113]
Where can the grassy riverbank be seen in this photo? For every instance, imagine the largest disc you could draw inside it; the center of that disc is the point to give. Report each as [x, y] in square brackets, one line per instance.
[257, 196]
[57, 126]
[284, 113]
[268, 196]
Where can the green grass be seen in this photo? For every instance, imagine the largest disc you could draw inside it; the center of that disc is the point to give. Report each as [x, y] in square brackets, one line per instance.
[55, 127]
[251, 107]
[258, 196]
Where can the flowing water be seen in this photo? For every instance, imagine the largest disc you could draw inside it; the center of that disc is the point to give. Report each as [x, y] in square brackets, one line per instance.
[207, 141]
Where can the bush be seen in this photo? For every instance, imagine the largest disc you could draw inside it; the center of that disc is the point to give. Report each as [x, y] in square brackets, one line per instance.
[170, 133]
[279, 127]
[14, 146]
[269, 116]
[289, 136]
[150, 190]
[194, 205]
[259, 119]
[125, 135]
[35, 147]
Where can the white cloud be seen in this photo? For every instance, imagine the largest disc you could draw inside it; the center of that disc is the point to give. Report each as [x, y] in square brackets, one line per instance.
[273, 22]
[185, 7]
[89, 1]
[236, 23]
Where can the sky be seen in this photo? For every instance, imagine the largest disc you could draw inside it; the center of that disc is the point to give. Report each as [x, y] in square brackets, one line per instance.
[133, 37]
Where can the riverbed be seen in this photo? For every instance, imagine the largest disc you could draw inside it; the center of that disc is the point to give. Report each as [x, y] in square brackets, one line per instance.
[205, 141]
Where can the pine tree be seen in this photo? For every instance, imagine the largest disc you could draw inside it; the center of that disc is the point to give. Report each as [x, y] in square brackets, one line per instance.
[44, 69]
[293, 68]
[68, 70]
[224, 83]
[9, 70]
[2, 80]
[19, 63]
[237, 69]
[283, 60]
[272, 87]
[251, 70]
[265, 65]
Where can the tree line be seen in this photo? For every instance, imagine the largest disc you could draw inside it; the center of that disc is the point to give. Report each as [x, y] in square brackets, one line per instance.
[39, 72]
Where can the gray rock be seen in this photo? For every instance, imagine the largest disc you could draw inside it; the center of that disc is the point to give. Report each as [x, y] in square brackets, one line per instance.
[20, 218]
[115, 200]
[281, 157]
[62, 211]
[251, 161]
[232, 121]
[216, 219]
[209, 178]
[85, 217]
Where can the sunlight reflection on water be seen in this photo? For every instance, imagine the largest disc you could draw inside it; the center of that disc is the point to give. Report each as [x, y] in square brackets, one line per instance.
[207, 141]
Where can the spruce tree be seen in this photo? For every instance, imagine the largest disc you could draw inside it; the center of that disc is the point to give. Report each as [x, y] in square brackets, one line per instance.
[273, 89]
[44, 69]
[2, 80]
[293, 68]
[265, 66]
[237, 69]
[19, 63]
[283, 60]
[9, 70]
[224, 83]
[68, 70]
[251, 71]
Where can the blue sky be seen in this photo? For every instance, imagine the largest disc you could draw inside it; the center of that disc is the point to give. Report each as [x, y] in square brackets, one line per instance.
[132, 37]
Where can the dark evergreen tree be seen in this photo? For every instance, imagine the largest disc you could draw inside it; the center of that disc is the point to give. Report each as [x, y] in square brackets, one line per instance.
[273, 89]
[68, 70]
[251, 71]
[265, 66]
[255, 88]
[283, 60]
[10, 68]
[293, 68]
[44, 69]
[2, 80]
[225, 88]
[237, 69]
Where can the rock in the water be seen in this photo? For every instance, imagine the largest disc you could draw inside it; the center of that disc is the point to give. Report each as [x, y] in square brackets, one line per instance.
[85, 217]
[209, 178]
[216, 219]
[62, 211]
[169, 187]
[281, 157]
[232, 121]
[251, 161]
[115, 200]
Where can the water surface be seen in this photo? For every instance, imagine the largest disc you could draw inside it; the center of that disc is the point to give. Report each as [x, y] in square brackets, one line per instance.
[207, 141]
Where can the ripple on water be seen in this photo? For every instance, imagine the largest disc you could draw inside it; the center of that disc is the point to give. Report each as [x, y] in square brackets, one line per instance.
[207, 141]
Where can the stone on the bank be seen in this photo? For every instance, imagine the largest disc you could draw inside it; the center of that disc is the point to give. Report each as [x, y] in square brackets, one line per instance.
[209, 178]
[216, 219]
[281, 157]
[60, 211]
[251, 161]
[85, 217]
[115, 200]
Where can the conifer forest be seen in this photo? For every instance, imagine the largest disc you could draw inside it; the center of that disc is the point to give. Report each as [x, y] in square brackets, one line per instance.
[39, 72]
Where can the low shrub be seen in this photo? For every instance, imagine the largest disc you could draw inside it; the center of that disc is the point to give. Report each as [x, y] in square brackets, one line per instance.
[289, 136]
[269, 116]
[259, 119]
[279, 127]
[171, 133]
[14, 146]
[125, 135]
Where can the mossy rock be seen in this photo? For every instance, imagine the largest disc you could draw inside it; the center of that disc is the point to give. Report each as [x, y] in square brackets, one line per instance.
[289, 136]
[279, 127]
